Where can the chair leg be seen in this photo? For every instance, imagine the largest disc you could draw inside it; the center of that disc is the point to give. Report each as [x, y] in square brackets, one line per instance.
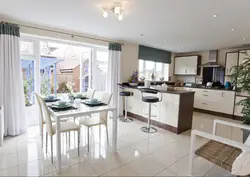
[88, 139]
[107, 134]
[51, 142]
[78, 141]
[46, 142]
[42, 135]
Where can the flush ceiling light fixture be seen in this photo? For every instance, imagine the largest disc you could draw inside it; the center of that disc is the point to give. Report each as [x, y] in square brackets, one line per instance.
[117, 10]
[215, 15]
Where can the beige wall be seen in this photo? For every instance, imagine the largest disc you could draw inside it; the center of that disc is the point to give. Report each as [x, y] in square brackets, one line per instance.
[129, 60]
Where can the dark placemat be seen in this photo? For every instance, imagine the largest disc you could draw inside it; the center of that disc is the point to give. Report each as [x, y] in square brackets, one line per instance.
[82, 98]
[62, 109]
[50, 101]
[95, 105]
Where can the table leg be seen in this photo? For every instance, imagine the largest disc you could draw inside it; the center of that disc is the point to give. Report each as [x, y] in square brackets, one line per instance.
[114, 131]
[58, 144]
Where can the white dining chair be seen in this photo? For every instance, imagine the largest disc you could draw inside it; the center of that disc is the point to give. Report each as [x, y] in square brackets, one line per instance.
[90, 93]
[105, 98]
[51, 128]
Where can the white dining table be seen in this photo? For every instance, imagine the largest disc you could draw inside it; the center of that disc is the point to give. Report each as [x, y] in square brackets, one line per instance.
[81, 111]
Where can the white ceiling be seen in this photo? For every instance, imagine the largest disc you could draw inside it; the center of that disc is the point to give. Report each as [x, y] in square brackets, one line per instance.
[187, 23]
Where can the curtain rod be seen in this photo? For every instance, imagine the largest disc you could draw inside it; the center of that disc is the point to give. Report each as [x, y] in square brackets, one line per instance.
[70, 34]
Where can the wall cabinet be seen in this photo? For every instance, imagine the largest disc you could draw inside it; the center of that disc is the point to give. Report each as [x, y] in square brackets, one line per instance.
[243, 54]
[188, 65]
[231, 60]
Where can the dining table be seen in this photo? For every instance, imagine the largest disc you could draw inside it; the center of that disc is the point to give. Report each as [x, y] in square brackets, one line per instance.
[80, 110]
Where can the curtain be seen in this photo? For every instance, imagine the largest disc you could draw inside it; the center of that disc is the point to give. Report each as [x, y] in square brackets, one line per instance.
[114, 75]
[11, 81]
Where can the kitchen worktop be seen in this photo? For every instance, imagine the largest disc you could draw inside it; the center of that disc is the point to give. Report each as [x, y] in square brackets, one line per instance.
[209, 88]
[164, 90]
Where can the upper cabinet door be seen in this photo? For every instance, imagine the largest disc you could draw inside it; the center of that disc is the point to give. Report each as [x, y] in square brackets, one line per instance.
[192, 63]
[180, 66]
[231, 61]
[187, 65]
[243, 54]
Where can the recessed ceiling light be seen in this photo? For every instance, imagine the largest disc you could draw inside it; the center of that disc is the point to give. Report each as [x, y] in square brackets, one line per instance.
[244, 38]
[182, 47]
[142, 34]
[165, 42]
[232, 29]
[105, 14]
[215, 15]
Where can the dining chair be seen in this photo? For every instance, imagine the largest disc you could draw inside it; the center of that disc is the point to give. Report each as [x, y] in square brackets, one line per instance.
[105, 98]
[90, 93]
[51, 128]
[42, 122]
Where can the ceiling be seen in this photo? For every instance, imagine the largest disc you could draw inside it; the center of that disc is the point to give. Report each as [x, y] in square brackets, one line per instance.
[175, 25]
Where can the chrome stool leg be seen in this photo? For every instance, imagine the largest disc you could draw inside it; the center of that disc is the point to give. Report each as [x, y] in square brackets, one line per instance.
[126, 118]
[148, 128]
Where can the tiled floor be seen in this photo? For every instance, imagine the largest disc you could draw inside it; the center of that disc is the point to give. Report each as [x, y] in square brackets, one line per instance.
[139, 154]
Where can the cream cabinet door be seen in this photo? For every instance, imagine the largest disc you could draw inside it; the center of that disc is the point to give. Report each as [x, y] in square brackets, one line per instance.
[191, 63]
[231, 60]
[243, 54]
[180, 66]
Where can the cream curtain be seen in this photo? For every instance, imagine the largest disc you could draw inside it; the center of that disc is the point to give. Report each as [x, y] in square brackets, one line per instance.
[114, 75]
[11, 81]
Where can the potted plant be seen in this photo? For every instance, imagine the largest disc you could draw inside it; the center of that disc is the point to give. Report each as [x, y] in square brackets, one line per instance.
[241, 79]
[133, 80]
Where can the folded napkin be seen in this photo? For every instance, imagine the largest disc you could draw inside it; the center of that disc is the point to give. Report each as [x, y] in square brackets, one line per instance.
[241, 165]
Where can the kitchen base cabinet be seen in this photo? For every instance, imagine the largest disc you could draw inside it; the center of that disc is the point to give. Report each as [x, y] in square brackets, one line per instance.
[173, 113]
[221, 101]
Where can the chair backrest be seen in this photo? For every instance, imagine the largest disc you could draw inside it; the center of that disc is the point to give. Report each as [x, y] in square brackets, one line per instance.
[41, 118]
[46, 115]
[90, 93]
[106, 97]
[98, 95]
[148, 90]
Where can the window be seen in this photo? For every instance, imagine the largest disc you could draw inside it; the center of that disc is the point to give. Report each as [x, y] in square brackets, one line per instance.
[146, 68]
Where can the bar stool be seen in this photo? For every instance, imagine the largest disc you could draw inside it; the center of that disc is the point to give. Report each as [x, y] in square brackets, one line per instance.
[125, 94]
[150, 100]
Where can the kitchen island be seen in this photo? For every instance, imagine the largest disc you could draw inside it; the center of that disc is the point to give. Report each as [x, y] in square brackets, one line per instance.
[173, 113]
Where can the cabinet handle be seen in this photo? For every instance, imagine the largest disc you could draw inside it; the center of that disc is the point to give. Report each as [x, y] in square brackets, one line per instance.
[222, 94]
[205, 95]
[204, 103]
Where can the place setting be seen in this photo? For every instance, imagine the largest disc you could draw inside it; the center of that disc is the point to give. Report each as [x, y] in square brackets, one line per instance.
[62, 106]
[78, 96]
[93, 102]
[50, 99]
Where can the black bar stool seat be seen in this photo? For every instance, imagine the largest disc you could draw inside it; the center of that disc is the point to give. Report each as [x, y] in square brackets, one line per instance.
[126, 93]
[150, 99]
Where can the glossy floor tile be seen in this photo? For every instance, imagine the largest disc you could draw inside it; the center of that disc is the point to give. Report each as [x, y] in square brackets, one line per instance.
[139, 154]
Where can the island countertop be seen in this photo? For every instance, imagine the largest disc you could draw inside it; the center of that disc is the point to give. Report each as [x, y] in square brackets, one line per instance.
[164, 90]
